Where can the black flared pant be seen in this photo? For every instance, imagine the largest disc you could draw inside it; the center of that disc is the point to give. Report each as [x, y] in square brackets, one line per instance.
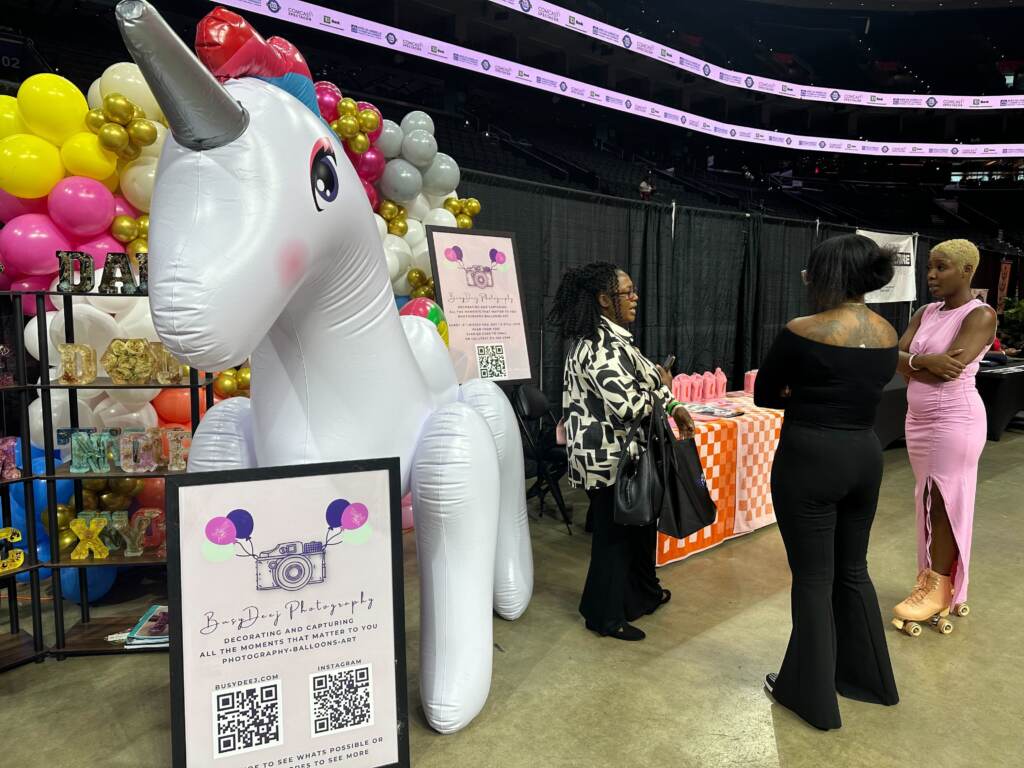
[825, 490]
[621, 582]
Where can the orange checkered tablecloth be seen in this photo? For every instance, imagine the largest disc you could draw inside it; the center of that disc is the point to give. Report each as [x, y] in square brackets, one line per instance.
[737, 457]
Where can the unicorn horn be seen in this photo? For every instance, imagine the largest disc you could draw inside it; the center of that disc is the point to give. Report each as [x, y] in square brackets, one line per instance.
[200, 112]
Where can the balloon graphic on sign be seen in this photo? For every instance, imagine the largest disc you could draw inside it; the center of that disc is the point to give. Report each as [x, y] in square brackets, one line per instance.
[243, 523]
[355, 516]
[220, 530]
[335, 512]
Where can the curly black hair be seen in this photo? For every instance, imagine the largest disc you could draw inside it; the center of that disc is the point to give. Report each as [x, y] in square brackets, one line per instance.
[576, 310]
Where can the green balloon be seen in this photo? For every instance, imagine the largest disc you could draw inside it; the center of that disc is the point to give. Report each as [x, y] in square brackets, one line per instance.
[218, 553]
[360, 535]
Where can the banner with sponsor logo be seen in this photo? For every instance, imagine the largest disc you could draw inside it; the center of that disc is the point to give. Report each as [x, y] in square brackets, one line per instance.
[354, 28]
[598, 30]
[287, 617]
[903, 286]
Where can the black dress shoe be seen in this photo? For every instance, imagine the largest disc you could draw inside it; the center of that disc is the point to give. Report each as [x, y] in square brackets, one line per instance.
[666, 595]
[623, 631]
[769, 682]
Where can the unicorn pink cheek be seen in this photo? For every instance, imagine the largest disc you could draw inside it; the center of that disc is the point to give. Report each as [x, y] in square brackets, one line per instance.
[292, 262]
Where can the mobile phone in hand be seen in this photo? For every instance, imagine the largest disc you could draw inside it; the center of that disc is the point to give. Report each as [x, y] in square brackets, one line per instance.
[668, 363]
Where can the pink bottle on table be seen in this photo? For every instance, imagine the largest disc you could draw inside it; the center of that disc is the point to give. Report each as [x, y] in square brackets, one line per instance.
[681, 388]
[710, 387]
[721, 382]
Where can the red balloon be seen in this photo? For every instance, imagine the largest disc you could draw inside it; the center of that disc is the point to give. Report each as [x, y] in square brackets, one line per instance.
[152, 493]
[175, 406]
[229, 47]
[327, 97]
[371, 194]
[373, 136]
[370, 165]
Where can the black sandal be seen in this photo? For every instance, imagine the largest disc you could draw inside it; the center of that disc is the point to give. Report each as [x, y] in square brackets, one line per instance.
[623, 631]
[666, 595]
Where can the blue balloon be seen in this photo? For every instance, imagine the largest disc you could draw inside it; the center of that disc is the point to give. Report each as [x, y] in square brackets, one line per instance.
[43, 554]
[243, 523]
[36, 452]
[18, 521]
[65, 488]
[100, 582]
[401, 301]
[334, 512]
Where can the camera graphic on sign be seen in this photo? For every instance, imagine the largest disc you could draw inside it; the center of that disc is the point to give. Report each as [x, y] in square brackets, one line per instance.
[477, 275]
[290, 565]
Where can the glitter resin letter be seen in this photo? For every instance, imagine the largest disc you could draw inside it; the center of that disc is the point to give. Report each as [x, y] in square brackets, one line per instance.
[168, 369]
[129, 361]
[8, 460]
[177, 452]
[66, 272]
[137, 453]
[77, 364]
[89, 539]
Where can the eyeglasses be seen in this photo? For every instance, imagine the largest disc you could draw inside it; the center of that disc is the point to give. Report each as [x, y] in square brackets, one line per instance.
[632, 292]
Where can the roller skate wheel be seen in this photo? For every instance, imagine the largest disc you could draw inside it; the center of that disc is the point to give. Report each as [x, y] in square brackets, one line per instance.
[912, 628]
[898, 623]
[945, 626]
[962, 609]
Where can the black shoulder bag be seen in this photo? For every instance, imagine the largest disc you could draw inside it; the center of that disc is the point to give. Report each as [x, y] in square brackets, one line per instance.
[639, 492]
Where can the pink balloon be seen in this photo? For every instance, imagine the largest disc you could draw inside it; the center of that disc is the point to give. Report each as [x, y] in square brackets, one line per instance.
[500, 258]
[82, 207]
[371, 194]
[407, 519]
[353, 157]
[327, 97]
[5, 282]
[123, 208]
[12, 207]
[220, 530]
[450, 254]
[99, 247]
[354, 516]
[29, 244]
[370, 165]
[418, 308]
[34, 283]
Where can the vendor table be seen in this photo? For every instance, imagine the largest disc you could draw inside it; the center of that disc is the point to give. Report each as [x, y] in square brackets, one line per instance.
[1002, 390]
[737, 455]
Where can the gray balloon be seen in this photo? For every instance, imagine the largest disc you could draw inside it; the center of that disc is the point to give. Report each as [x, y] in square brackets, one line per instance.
[416, 121]
[442, 176]
[419, 148]
[390, 140]
[401, 181]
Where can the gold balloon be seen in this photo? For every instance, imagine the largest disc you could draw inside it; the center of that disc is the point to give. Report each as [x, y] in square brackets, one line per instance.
[67, 541]
[126, 486]
[453, 205]
[225, 385]
[113, 502]
[398, 226]
[113, 137]
[130, 152]
[124, 229]
[336, 127]
[348, 126]
[420, 293]
[430, 282]
[64, 515]
[359, 143]
[244, 378]
[471, 206]
[369, 120]
[90, 499]
[143, 222]
[416, 277]
[95, 485]
[118, 109]
[142, 132]
[402, 213]
[138, 113]
[464, 221]
[95, 119]
[348, 108]
[137, 246]
[387, 210]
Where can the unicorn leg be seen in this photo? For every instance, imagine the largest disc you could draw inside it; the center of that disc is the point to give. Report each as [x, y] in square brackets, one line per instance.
[224, 438]
[455, 493]
[513, 563]
[433, 360]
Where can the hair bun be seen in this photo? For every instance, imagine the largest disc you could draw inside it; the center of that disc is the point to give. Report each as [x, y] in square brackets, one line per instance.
[883, 267]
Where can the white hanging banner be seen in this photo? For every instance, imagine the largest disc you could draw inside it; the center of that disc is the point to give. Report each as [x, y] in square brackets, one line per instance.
[903, 286]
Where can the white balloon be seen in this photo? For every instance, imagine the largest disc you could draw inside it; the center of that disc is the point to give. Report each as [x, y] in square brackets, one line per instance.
[418, 208]
[382, 226]
[390, 140]
[441, 178]
[95, 95]
[60, 412]
[112, 305]
[421, 257]
[153, 150]
[440, 217]
[137, 321]
[437, 201]
[399, 257]
[131, 399]
[75, 300]
[137, 180]
[126, 78]
[416, 234]
[113, 415]
[93, 397]
[396, 243]
[401, 286]
[401, 181]
[415, 121]
[32, 339]
[419, 147]
[92, 327]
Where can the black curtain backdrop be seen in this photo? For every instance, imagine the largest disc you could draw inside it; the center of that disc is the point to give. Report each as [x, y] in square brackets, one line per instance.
[715, 287]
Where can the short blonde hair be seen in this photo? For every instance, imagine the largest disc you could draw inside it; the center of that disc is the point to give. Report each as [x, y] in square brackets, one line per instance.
[960, 252]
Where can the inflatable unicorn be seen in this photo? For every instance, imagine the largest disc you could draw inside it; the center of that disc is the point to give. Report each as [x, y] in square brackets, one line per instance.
[264, 247]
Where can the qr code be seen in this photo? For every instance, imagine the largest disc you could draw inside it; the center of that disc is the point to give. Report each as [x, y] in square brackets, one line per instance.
[341, 700]
[490, 359]
[247, 718]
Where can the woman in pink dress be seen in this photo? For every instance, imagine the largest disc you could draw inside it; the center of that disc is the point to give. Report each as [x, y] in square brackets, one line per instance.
[939, 354]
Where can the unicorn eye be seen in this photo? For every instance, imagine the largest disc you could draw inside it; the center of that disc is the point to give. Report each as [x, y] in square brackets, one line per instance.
[323, 175]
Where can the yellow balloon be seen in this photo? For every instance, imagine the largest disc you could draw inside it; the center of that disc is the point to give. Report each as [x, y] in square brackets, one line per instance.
[348, 106]
[124, 229]
[83, 155]
[442, 328]
[52, 106]
[29, 165]
[10, 119]
[113, 137]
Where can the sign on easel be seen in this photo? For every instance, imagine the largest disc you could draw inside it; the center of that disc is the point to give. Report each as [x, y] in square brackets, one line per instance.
[288, 617]
[479, 287]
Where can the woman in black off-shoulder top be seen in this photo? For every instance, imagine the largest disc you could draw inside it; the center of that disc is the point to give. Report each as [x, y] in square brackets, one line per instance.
[828, 371]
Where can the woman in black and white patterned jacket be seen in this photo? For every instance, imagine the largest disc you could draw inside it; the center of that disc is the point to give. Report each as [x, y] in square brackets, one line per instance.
[609, 386]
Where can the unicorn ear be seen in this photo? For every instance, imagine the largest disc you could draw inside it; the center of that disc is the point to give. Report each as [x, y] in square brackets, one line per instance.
[200, 112]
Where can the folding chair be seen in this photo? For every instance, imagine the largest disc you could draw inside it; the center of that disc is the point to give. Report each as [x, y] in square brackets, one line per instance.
[546, 461]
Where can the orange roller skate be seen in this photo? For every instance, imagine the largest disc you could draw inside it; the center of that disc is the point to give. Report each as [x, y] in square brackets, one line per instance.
[929, 603]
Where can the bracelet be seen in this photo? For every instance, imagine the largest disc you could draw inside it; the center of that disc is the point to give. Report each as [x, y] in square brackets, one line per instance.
[910, 363]
[672, 406]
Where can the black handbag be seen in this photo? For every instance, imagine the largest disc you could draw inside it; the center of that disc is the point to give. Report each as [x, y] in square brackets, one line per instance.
[639, 492]
[688, 506]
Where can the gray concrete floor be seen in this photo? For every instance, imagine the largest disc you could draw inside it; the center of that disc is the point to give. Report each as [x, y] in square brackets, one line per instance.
[690, 695]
